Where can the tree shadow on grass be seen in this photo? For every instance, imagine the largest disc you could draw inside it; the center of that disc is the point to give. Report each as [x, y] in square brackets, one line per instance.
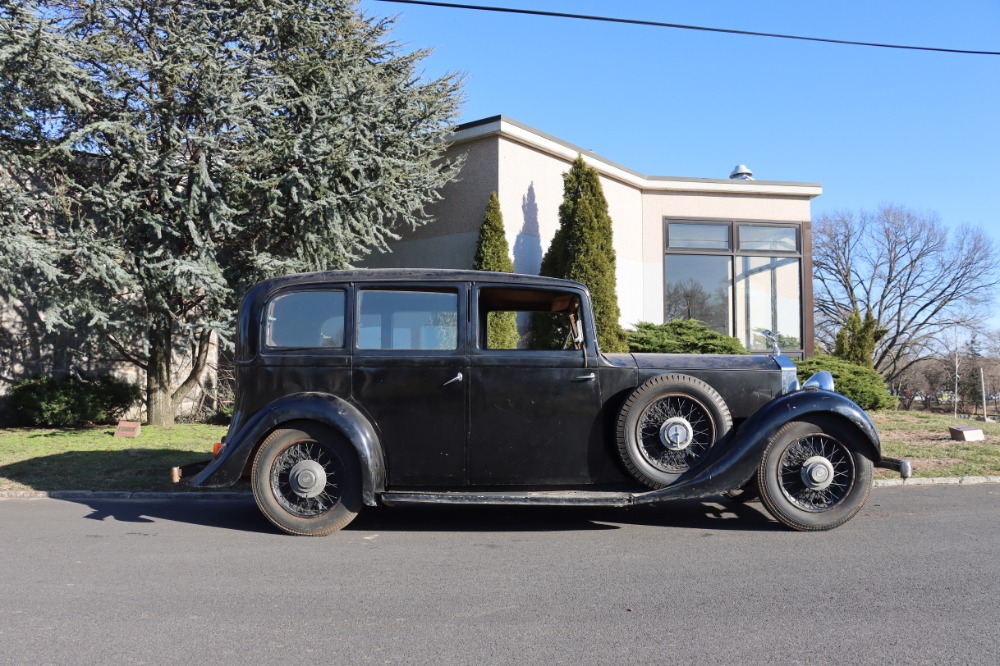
[129, 470]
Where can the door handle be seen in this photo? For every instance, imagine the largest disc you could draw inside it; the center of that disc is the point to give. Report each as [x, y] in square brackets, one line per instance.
[586, 378]
[456, 378]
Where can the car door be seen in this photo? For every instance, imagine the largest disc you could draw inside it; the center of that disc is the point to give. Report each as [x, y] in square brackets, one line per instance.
[534, 417]
[410, 377]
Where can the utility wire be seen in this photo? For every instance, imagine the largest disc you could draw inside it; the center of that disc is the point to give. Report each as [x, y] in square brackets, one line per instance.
[680, 26]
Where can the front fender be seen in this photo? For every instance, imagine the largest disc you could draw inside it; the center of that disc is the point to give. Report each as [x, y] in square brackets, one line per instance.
[733, 463]
[228, 467]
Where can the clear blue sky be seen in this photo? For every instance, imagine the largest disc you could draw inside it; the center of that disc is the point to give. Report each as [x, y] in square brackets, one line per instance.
[871, 125]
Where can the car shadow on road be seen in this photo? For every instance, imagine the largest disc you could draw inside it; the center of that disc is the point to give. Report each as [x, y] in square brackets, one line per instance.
[711, 515]
[242, 515]
[233, 514]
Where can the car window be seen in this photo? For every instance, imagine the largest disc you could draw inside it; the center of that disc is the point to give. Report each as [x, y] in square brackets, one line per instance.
[418, 320]
[309, 319]
[529, 319]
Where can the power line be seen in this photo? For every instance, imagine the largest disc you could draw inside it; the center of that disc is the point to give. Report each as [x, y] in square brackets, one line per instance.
[680, 26]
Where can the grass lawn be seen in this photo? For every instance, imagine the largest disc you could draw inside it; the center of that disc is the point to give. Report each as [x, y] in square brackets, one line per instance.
[92, 459]
[923, 438]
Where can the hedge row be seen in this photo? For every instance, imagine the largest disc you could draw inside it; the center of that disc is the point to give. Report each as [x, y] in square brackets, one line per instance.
[51, 403]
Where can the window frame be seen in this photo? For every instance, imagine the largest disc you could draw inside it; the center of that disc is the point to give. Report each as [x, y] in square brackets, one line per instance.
[585, 315]
[262, 325]
[461, 291]
[735, 254]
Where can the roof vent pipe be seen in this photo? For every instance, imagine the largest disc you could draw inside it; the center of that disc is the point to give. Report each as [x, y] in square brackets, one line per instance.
[741, 172]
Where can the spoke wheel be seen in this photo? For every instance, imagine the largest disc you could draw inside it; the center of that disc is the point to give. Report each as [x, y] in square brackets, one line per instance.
[667, 427]
[815, 475]
[306, 480]
[674, 433]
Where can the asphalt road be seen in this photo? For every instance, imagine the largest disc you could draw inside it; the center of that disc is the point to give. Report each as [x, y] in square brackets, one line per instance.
[912, 579]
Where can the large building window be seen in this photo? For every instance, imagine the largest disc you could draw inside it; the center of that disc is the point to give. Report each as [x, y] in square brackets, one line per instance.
[740, 278]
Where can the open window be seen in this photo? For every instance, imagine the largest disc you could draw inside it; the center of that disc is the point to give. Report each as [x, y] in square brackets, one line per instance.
[529, 319]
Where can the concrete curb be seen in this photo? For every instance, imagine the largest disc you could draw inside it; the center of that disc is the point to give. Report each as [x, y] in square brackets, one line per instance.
[937, 481]
[230, 496]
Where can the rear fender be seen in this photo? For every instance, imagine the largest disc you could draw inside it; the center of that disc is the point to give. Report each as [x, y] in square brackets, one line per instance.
[732, 463]
[235, 458]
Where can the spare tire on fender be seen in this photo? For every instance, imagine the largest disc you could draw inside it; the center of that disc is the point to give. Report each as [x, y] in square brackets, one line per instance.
[667, 426]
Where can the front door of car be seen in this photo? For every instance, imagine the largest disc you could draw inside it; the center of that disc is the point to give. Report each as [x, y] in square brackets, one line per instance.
[534, 412]
[410, 376]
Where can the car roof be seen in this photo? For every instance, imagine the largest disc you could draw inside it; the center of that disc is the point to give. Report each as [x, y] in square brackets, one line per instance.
[417, 275]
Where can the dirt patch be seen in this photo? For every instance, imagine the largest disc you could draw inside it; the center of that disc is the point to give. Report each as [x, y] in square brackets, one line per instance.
[928, 464]
[929, 438]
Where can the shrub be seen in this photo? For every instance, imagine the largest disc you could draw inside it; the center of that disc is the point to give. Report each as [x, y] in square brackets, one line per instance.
[64, 403]
[862, 385]
[681, 336]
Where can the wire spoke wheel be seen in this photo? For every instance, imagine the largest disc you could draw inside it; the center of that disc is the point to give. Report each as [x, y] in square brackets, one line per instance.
[306, 479]
[817, 473]
[675, 433]
[667, 427]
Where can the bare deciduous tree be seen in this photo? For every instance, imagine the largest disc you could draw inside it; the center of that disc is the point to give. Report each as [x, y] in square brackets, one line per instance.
[903, 267]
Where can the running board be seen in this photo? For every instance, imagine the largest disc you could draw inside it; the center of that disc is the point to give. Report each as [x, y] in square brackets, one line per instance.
[508, 498]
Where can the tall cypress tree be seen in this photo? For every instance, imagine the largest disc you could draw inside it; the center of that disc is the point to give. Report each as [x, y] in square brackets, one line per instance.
[582, 250]
[493, 254]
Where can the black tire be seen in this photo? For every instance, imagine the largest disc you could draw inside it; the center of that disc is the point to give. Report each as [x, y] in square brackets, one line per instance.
[797, 498]
[673, 401]
[307, 480]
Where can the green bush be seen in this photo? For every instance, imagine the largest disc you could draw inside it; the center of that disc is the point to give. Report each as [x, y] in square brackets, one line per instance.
[51, 403]
[681, 336]
[862, 385]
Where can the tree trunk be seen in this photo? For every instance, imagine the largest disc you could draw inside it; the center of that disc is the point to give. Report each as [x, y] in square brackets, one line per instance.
[159, 405]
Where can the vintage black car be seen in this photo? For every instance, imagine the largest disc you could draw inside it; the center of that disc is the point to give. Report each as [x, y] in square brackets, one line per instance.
[384, 387]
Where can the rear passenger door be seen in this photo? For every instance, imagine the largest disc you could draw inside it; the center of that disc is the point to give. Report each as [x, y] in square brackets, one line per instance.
[410, 376]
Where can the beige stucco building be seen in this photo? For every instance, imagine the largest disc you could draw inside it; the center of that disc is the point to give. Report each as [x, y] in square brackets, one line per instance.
[735, 253]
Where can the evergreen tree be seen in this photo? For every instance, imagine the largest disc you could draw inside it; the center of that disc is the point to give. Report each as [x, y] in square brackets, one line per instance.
[970, 385]
[493, 254]
[856, 340]
[582, 250]
[169, 153]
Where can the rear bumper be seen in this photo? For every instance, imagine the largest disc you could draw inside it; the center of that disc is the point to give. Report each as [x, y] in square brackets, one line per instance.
[185, 472]
[901, 465]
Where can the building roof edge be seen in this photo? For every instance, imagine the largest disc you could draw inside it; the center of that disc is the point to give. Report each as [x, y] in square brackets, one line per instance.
[501, 125]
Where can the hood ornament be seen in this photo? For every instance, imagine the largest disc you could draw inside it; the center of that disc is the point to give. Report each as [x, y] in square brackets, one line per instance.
[772, 337]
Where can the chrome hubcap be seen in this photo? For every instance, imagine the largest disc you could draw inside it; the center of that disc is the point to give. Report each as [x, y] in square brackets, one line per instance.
[307, 478]
[817, 473]
[676, 434]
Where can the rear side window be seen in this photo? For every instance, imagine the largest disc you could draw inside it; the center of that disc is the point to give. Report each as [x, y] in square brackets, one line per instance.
[395, 319]
[311, 319]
